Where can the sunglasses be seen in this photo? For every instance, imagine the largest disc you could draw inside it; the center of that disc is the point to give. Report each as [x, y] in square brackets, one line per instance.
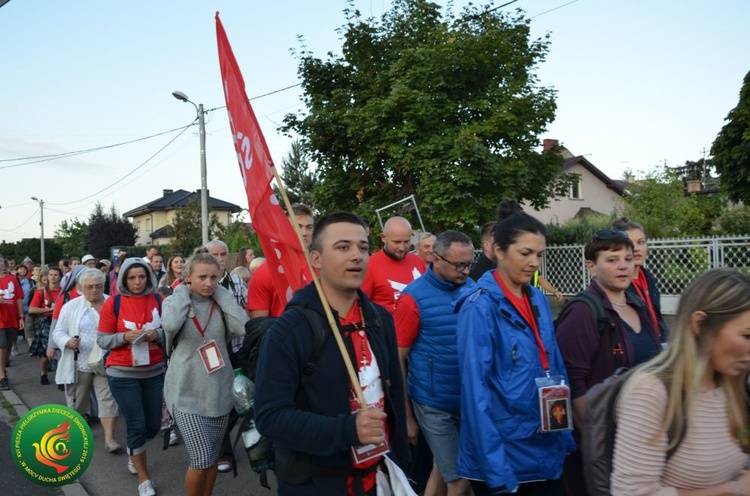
[612, 233]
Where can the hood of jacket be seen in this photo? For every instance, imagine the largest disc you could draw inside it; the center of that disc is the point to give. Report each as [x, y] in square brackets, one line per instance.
[129, 264]
[485, 284]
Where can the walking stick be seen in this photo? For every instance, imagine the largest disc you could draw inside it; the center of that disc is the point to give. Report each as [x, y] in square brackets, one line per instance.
[75, 374]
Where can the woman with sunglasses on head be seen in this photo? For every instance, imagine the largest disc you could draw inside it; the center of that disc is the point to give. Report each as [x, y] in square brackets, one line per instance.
[508, 357]
[682, 419]
[644, 282]
[592, 349]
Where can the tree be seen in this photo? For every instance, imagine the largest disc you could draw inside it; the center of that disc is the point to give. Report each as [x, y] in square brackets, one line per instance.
[659, 203]
[186, 228]
[107, 230]
[448, 109]
[298, 179]
[71, 236]
[731, 149]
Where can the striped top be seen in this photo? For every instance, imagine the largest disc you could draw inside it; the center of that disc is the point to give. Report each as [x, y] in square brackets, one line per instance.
[708, 455]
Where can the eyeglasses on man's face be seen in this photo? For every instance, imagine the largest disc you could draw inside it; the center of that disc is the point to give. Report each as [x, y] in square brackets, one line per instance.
[459, 266]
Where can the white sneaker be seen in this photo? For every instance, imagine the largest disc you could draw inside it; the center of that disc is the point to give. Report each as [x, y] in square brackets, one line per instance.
[173, 438]
[131, 467]
[15, 351]
[146, 488]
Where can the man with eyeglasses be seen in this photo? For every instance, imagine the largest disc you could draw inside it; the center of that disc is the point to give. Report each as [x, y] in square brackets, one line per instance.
[393, 267]
[426, 334]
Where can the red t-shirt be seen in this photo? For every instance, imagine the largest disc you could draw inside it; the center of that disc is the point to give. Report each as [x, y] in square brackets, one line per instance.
[261, 294]
[406, 319]
[12, 293]
[386, 277]
[369, 375]
[72, 295]
[45, 298]
[136, 312]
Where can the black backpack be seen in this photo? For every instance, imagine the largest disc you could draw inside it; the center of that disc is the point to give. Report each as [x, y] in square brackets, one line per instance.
[261, 455]
[603, 322]
[288, 465]
[600, 428]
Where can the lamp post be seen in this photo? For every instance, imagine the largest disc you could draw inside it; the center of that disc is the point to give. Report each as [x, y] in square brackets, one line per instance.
[204, 189]
[41, 223]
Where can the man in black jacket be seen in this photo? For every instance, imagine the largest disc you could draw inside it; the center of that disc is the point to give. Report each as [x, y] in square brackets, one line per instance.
[316, 416]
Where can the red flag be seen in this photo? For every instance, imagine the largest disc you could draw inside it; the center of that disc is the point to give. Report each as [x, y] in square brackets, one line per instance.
[279, 241]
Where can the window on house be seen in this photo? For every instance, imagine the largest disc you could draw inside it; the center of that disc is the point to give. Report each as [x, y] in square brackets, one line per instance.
[575, 189]
[138, 226]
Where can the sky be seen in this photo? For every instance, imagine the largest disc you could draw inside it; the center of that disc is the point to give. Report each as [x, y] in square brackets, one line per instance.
[639, 84]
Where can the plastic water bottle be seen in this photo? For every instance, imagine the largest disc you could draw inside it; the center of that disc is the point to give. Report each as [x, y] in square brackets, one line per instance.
[243, 392]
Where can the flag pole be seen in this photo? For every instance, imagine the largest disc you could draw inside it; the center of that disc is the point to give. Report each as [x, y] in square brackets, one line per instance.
[329, 315]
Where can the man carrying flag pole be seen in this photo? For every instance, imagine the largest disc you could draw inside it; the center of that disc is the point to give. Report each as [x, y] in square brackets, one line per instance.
[335, 433]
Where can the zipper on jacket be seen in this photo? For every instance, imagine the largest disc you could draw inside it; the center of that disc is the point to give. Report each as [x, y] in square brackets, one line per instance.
[513, 355]
[432, 378]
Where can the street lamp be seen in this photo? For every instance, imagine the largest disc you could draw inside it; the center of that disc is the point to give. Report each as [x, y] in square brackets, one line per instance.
[204, 189]
[41, 223]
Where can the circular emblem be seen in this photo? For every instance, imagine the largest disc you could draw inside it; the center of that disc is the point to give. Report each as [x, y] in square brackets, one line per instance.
[52, 445]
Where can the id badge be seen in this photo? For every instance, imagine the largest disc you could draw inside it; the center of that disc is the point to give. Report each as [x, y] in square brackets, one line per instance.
[554, 404]
[211, 356]
[362, 454]
[139, 349]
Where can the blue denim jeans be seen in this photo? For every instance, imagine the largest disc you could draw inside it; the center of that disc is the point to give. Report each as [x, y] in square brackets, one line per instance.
[140, 403]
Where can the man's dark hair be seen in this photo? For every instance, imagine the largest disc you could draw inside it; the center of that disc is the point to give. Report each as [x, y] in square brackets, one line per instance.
[596, 245]
[506, 208]
[332, 218]
[515, 226]
[302, 209]
[152, 247]
[55, 268]
[444, 241]
[488, 230]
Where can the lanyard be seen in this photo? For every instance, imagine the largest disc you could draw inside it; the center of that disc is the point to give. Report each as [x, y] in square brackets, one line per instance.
[532, 322]
[198, 324]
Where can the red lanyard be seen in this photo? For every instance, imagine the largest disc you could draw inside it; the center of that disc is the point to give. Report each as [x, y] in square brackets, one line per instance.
[514, 301]
[198, 324]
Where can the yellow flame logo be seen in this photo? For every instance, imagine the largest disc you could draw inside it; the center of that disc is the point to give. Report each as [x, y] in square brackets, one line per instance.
[53, 447]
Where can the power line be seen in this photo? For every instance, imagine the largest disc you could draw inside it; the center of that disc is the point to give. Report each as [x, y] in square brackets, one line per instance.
[553, 9]
[129, 173]
[22, 223]
[46, 158]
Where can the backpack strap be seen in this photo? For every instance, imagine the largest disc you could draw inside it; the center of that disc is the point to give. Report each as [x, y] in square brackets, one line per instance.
[602, 322]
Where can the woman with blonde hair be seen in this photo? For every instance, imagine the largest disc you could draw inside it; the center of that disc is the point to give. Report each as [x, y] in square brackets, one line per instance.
[200, 318]
[703, 407]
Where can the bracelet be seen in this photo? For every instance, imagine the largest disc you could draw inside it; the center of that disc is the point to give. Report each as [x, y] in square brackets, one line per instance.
[736, 486]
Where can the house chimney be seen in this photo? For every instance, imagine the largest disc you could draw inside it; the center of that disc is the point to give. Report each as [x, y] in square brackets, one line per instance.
[549, 144]
[167, 192]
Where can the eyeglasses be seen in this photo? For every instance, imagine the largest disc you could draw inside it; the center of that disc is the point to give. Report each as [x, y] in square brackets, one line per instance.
[462, 266]
[612, 233]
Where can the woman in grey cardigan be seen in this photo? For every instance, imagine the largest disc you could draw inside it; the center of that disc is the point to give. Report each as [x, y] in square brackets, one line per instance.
[199, 319]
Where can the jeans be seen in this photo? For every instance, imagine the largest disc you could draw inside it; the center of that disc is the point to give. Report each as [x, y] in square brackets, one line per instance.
[140, 403]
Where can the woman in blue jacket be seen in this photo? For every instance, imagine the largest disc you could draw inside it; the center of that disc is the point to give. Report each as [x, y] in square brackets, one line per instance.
[506, 342]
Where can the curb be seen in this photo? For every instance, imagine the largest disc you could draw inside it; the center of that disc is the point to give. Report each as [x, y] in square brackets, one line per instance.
[73, 489]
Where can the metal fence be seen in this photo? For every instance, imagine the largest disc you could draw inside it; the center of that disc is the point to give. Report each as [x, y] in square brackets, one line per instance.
[673, 261]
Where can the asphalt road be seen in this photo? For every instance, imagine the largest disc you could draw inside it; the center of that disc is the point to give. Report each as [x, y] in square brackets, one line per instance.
[107, 475]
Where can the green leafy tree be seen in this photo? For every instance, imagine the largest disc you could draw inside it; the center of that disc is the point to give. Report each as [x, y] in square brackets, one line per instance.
[186, 228]
[298, 179]
[734, 220]
[238, 234]
[107, 230]
[731, 148]
[659, 203]
[71, 236]
[445, 107]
